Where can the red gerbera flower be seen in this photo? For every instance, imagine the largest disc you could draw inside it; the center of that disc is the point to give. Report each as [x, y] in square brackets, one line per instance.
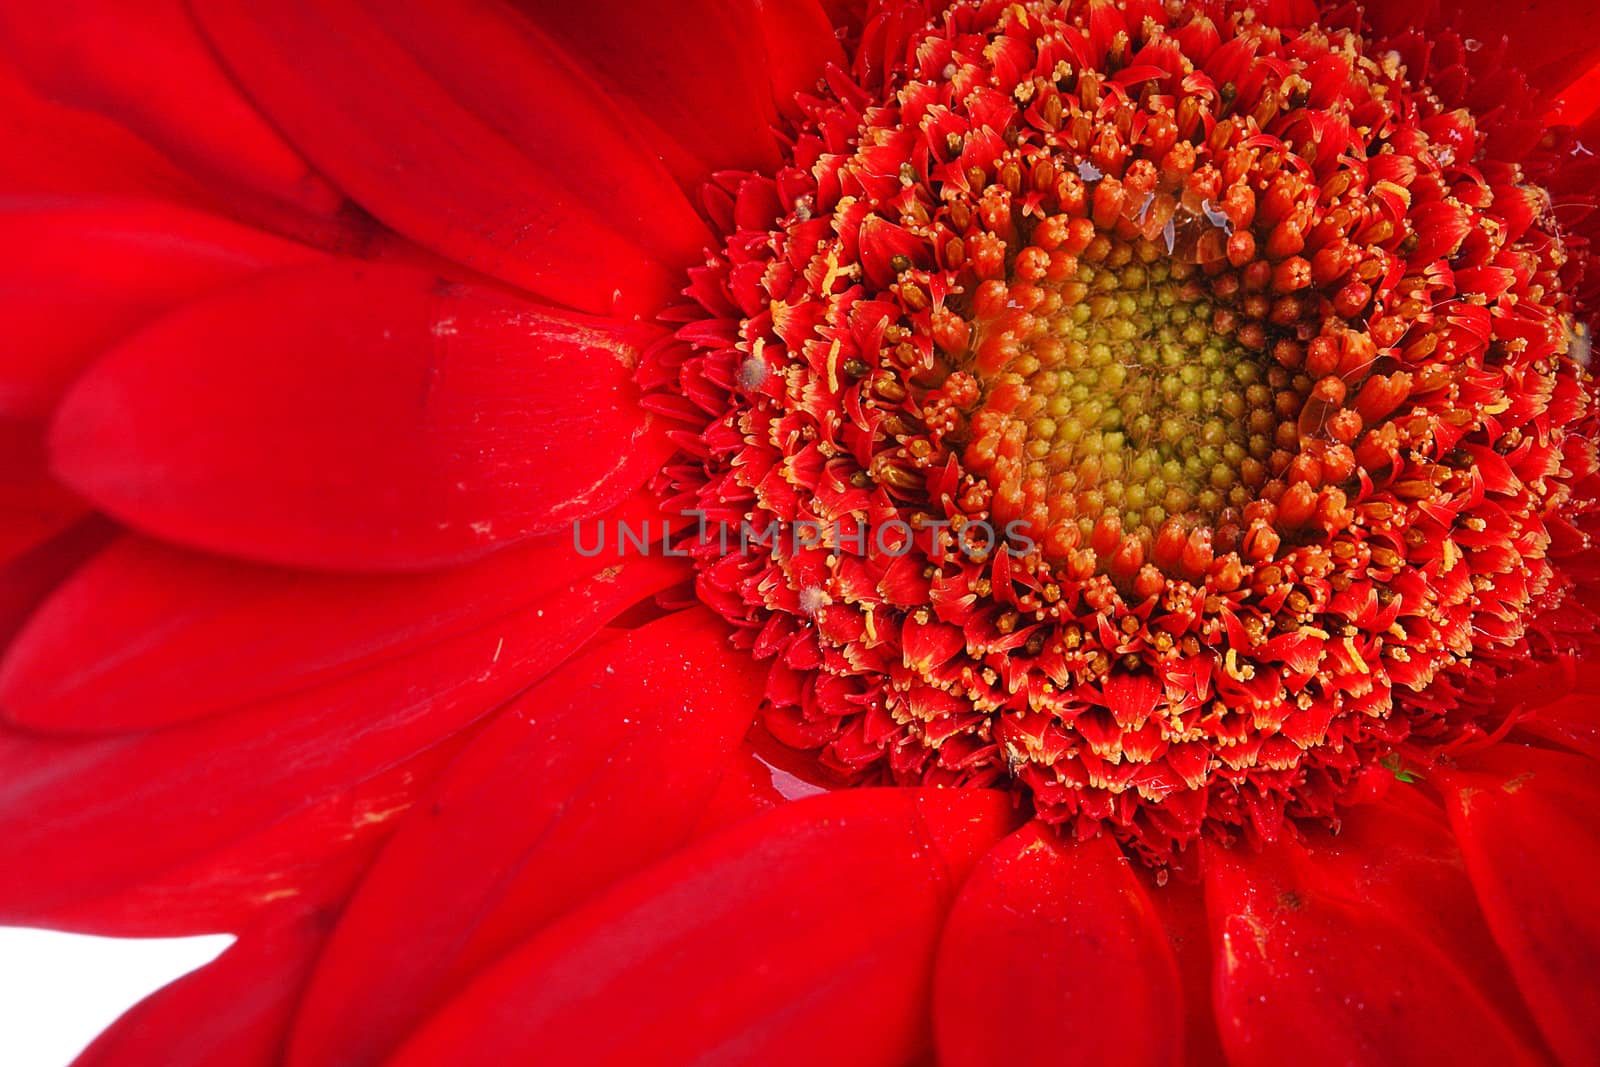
[488, 481]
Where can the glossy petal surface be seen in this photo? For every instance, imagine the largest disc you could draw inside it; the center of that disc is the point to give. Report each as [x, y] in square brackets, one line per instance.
[431, 132]
[1528, 825]
[693, 76]
[79, 277]
[359, 417]
[803, 936]
[1055, 953]
[88, 817]
[151, 70]
[593, 773]
[1314, 968]
[147, 635]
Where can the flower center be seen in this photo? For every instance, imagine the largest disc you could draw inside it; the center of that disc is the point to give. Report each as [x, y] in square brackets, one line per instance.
[1183, 407]
[1123, 398]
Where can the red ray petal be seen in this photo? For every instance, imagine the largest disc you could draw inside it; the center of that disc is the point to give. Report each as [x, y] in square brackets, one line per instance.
[27, 578]
[1315, 968]
[751, 784]
[802, 936]
[359, 417]
[459, 126]
[55, 149]
[85, 817]
[1399, 857]
[1182, 908]
[599, 770]
[693, 75]
[1564, 703]
[233, 1012]
[81, 275]
[307, 862]
[1572, 722]
[1529, 825]
[34, 507]
[1578, 102]
[800, 42]
[149, 69]
[1548, 40]
[147, 635]
[1052, 948]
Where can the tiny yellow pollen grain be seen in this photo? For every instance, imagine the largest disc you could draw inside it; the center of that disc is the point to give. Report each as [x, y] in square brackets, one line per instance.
[272, 896]
[373, 818]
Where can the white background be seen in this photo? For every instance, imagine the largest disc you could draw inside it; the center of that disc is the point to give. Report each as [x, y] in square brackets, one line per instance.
[58, 991]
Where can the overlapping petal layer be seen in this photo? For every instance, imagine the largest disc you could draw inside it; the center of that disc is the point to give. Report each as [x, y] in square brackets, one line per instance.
[81, 275]
[359, 417]
[151, 70]
[1526, 820]
[1054, 946]
[146, 635]
[430, 134]
[802, 936]
[599, 770]
[1355, 960]
[86, 817]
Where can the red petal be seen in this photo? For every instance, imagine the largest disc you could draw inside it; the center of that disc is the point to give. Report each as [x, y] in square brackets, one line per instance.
[148, 68]
[307, 863]
[147, 635]
[1079, 951]
[1399, 857]
[1548, 40]
[1572, 723]
[599, 770]
[1570, 716]
[1529, 825]
[34, 507]
[803, 936]
[56, 149]
[800, 42]
[1313, 969]
[233, 1012]
[79, 276]
[363, 418]
[1182, 908]
[27, 579]
[1578, 102]
[84, 817]
[458, 125]
[752, 784]
[693, 74]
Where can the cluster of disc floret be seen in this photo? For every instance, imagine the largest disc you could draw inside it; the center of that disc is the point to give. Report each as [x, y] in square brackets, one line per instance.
[1183, 401]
